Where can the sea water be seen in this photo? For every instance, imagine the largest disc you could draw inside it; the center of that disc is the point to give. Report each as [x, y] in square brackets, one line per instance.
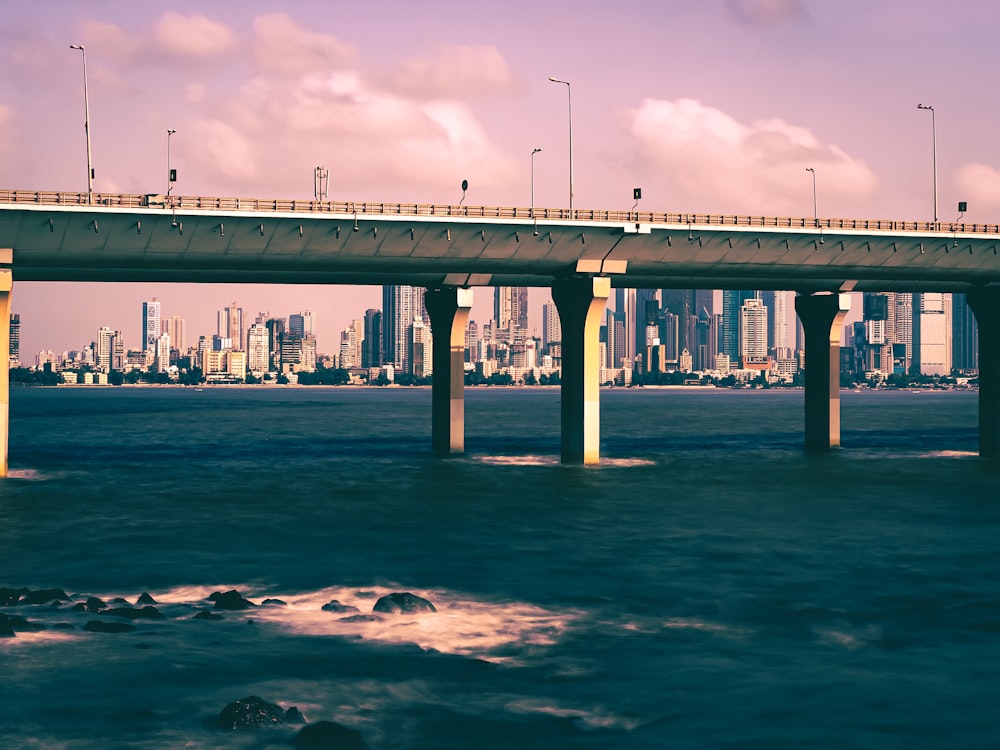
[710, 585]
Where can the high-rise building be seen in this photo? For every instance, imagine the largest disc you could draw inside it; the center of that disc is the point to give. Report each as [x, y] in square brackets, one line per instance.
[401, 305]
[302, 323]
[104, 349]
[551, 327]
[903, 326]
[15, 340]
[230, 326]
[732, 306]
[351, 339]
[258, 349]
[421, 350]
[372, 347]
[932, 333]
[151, 328]
[161, 359]
[964, 335]
[625, 307]
[753, 330]
[178, 335]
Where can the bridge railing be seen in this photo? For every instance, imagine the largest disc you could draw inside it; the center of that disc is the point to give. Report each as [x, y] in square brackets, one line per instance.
[212, 203]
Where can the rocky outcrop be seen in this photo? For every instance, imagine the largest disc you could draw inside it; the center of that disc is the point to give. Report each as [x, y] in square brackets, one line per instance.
[145, 598]
[329, 735]
[230, 600]
[403, 603]
[253, 713]
[10, 597]
[207, 614]
[44, 596]
[335, 606]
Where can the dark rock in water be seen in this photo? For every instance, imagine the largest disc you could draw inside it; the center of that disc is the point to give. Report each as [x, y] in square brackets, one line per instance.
[327, 734]
[207, 614]
[253, 713]
[294, 716]
[9, 597]
[119, 600]
[131, 613]
[273, 603]
[6, 627]
[231, 600]
[97, 626]
[44, 596]
[403, 603]
[335, 606]
[145, 598]
[95, 605]
[21, 625]
[360, 618]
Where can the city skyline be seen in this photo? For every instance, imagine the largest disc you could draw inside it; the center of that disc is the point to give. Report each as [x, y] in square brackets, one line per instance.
[396, 110]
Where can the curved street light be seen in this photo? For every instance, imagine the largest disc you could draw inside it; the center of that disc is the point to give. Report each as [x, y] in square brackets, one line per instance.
[815, 211]
[86, 124]
[934, 137]
[569, 98]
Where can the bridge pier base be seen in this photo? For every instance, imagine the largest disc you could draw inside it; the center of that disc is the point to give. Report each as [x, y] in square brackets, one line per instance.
[581, 302]
[822, 317]
[6, 284]
[985, 304]
[448, 308]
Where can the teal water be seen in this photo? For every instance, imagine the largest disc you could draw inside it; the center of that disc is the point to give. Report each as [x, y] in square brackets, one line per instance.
[710, 585]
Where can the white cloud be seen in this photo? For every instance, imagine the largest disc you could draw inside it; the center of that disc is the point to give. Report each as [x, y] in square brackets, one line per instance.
[281, 45]
[195, 37]
[195, 93]
[224, 149]
[713, 160]
[464, 71]
[979, 185]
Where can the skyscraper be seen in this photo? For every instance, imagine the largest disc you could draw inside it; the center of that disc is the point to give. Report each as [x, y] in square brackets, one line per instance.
[176, 328]
[753, 330]
[258, 349]
[964, 336]
[510, 309]
[15, 340]
[231, 328]
[151, 329]
[302, 324]
[401, 305]
[932, 333]
[372, 347]
[551, 327]
[732, 304]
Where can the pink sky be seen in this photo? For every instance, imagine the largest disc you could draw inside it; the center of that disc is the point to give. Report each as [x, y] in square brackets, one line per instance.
[715, 106]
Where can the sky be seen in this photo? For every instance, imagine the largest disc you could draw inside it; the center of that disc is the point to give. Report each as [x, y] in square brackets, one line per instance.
[715, 106]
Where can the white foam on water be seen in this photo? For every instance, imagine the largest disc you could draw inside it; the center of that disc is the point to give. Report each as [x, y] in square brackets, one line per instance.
[845, 636]
[30, 474]
[690, 623]
[597, 717]
[555, 461]
[462, 625]
[34, 638]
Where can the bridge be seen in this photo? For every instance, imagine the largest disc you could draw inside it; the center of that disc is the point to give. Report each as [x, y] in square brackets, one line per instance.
[449, 250]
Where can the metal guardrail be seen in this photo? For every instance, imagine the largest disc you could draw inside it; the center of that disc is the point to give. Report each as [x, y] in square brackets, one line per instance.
[207, 203]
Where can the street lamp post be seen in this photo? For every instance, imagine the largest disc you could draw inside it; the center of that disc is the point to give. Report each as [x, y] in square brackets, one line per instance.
[569, 98]
[171, 176]
[934, 137]
[533, 188]
[815, 211]
[86, 124]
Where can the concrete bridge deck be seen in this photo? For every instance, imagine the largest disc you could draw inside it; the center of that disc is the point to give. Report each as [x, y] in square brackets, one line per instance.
[57, 236]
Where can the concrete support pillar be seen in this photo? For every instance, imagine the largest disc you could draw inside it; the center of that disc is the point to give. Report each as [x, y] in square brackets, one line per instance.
[448, 308]
[985, 304]
[581, 302]
[822, 317]
[6, 284]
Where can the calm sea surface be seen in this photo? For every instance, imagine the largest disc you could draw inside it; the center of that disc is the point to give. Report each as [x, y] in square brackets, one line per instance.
[709, 586]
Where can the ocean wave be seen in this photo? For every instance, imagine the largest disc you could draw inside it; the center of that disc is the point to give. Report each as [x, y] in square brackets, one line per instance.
[555, 461]
[597, 717]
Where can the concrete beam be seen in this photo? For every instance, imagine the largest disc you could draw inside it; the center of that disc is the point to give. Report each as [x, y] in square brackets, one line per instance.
[985, 305]
[581, 302]
[822, 317]
[448, 308]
